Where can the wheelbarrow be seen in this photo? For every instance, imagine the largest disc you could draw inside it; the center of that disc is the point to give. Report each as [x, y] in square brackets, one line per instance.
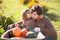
[6, 36]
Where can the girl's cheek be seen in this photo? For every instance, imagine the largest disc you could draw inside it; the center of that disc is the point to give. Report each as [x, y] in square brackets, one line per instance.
[28, 16]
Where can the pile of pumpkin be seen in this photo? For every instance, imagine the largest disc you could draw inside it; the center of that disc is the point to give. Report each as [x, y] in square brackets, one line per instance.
[27, 33]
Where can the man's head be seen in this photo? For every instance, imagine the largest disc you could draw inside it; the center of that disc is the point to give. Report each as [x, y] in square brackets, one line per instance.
[36, 11]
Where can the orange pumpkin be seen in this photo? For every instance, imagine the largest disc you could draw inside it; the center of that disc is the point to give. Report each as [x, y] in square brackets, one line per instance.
[16, 32]
[24, 31]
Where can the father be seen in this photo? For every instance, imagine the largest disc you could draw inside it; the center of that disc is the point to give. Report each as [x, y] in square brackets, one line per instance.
[43, 22]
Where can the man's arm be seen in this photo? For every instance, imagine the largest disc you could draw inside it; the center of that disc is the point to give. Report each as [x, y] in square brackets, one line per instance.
[49, 30]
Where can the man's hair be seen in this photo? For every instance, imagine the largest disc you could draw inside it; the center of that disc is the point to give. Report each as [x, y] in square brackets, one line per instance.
[38, 9]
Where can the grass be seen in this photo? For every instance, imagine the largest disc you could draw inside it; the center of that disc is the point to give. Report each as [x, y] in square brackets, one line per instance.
[14, 8]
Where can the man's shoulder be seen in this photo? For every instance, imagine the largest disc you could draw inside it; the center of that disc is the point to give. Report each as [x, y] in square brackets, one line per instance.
[46, 17]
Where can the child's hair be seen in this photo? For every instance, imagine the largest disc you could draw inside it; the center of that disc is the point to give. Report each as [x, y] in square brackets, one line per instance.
[24, 14]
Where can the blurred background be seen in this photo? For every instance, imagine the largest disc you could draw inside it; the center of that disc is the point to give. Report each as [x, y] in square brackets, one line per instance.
[10, 12]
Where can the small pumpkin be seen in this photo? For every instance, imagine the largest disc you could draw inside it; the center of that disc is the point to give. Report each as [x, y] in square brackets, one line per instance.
[16, 32]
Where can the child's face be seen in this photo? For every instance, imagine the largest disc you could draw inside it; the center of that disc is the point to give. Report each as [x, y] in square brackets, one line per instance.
[28, 14]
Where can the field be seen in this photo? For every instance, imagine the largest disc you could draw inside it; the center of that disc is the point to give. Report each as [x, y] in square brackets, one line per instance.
[14, 8]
